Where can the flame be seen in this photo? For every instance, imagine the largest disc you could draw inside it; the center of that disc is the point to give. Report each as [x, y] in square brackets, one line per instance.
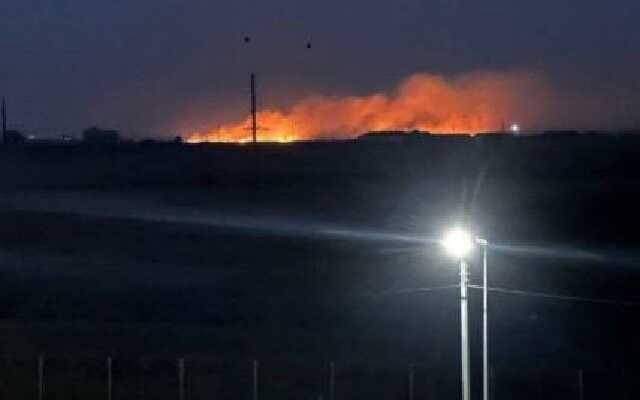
[473, 103]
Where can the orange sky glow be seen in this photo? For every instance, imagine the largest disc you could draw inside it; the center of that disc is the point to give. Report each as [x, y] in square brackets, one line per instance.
[472, 103]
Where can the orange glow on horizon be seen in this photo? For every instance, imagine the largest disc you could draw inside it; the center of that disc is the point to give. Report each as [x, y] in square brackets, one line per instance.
[473, 103]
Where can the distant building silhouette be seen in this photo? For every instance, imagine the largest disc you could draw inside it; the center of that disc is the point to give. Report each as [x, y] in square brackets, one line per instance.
[9, 136]
[393, 136]
[100, 136]
[12, 136]
[564, 132]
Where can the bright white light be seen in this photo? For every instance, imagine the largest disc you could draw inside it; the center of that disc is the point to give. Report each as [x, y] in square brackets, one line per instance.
[458, 243]
[515, 128]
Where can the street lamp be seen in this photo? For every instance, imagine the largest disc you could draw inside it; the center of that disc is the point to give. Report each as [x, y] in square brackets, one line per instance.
[459, 244]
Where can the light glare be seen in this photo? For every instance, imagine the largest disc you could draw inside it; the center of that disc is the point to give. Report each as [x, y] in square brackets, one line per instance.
[458, 243]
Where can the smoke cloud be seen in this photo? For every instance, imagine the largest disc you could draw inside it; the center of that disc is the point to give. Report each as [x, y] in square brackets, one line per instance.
[472, 103]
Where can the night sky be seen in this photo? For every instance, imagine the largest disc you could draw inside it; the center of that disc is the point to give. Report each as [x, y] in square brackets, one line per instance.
[164, 67]
[313, 252]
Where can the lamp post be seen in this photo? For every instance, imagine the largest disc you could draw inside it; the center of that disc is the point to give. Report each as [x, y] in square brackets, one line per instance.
[459, 244]
[464, 326]
[485, 321]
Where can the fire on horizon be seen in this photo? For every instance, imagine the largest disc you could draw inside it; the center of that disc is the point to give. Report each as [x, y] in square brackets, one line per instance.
[473, 103]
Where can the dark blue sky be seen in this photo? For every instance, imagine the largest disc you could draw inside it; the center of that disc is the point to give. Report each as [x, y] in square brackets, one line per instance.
[152, 67]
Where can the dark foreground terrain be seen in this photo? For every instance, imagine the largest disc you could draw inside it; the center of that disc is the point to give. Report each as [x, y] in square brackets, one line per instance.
[298, 255]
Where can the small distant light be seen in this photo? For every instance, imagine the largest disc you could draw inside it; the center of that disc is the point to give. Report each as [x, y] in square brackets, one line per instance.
[515, 128]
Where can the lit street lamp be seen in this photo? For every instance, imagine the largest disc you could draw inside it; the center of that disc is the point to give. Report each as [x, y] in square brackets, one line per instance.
[459, 244]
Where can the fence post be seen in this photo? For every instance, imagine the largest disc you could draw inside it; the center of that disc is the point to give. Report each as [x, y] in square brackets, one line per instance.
[625, 385]
[412, 373]
[332, 381]
[109, 379]
[181, 378]
[40, 377]
[492, 383]
[540, 382]
[255, 379]
[580, 384]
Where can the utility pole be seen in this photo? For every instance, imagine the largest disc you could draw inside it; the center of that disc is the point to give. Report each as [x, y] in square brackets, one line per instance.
[254, 121]
[485, 322]
[4, 120]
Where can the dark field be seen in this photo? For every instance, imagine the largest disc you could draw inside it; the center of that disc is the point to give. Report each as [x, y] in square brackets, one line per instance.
[234, 253]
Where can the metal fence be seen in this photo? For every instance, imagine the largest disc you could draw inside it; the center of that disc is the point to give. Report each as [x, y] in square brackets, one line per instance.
[197, 378]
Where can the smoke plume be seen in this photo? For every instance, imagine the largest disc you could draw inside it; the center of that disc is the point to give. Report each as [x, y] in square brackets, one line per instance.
[473, 103]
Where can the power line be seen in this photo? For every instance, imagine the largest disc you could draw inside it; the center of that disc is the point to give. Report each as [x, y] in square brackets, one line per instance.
[412, 290]
[514, 292]
[558, 296]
